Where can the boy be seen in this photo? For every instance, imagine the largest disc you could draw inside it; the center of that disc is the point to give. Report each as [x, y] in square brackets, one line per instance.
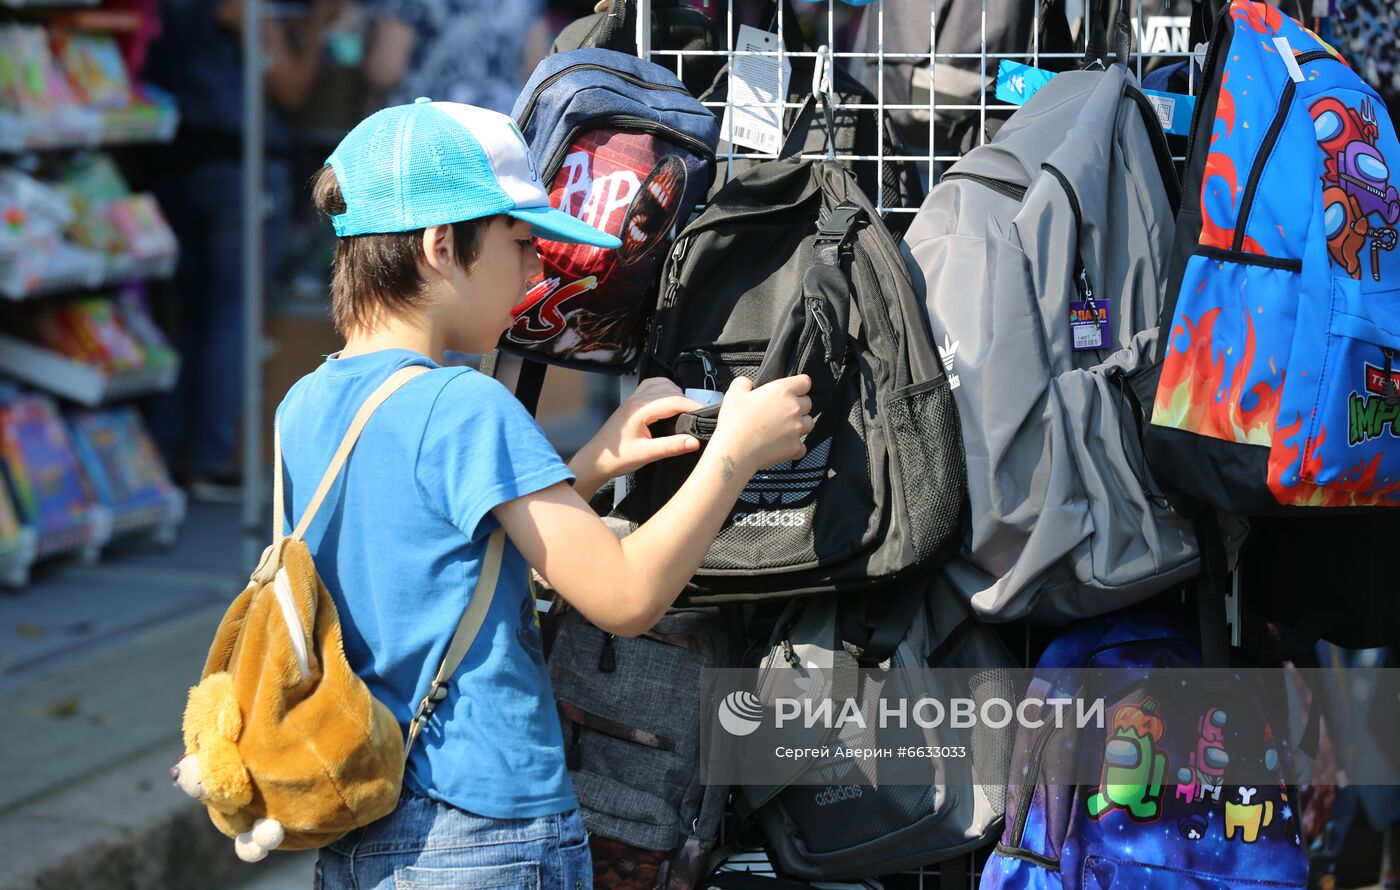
[436, 205]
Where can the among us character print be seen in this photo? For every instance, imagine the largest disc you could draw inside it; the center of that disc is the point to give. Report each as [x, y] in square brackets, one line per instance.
[589, 304]
[1361, 205]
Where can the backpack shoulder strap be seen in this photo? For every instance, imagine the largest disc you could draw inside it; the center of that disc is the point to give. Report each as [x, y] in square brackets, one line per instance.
[347, 444]
[467, 628]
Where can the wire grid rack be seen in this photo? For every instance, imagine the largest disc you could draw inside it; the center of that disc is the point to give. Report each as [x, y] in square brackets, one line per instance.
[937, 154]
[932, 160]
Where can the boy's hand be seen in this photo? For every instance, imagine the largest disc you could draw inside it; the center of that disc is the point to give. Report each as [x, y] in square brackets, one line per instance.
[624, 443]
[760, 427]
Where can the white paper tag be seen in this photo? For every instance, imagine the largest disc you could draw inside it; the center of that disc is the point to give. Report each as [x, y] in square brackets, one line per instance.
[1166, 109]
[753, 84]
[1087, 336]
[1198, 55]
[704, 396]
[1285, 52]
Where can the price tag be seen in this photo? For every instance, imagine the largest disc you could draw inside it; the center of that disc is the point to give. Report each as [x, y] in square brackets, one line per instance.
[1174, 110]
[1088, 324]
[753, 116]
[704, 396]
[1016, 83]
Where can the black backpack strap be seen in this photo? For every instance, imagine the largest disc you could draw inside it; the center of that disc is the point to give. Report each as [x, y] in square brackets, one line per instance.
[872, 626]
[1211, 588]
[527, 386]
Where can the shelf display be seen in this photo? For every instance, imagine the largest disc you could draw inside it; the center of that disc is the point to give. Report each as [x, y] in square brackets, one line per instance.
[126, 472]
[92, 351]
[51, 492]
[66, 88]
[84, 230]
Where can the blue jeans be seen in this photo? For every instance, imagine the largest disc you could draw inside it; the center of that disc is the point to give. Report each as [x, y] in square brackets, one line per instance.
[428, 845]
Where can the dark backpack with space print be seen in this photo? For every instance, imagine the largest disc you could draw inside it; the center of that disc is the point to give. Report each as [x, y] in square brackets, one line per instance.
[624, 147]
[789, 270]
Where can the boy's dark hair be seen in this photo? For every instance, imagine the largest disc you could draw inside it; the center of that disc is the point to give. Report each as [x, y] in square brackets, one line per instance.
[377, 275]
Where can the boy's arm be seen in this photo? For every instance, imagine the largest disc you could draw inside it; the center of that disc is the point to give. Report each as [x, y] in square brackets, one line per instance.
[625, 586]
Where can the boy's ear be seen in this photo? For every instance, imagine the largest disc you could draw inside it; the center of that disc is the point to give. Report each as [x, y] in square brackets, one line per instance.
[438, 249]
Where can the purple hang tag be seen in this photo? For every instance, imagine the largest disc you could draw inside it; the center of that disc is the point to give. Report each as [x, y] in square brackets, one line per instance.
[1088, 324]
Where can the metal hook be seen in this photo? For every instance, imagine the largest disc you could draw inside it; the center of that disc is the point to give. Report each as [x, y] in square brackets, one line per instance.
[825, 97]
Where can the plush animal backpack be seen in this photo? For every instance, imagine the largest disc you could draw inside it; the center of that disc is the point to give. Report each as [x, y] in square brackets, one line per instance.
[284, 744]
[789, 270]
[1279, 385]
[1164, 812]
[1043, 255]
[624, 147]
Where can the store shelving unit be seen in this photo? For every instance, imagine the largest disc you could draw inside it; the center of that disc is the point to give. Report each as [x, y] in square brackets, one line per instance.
[31, 273]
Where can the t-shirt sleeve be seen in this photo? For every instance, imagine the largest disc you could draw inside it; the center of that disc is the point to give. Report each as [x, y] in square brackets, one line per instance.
[480, 449]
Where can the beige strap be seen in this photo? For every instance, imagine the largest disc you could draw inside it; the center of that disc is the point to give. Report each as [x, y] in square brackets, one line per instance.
[279, 515]
[467, 629]
[352, 435]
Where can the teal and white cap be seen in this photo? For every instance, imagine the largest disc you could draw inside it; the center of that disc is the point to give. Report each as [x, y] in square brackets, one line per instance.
[435, 163]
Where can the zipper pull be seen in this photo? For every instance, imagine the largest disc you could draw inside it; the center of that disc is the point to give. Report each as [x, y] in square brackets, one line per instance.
[815, 309]
[711, 381]
[1391, 391]
[607, 659]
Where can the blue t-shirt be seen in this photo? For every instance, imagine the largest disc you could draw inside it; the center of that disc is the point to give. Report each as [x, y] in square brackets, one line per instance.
[399, 543]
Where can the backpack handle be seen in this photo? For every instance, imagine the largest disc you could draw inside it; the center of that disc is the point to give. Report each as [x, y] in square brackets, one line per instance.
[342, 453]
[812, 338]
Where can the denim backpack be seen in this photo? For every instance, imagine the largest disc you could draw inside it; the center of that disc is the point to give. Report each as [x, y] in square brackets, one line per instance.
[1279, 384]
[1164, 817]
[623, 146]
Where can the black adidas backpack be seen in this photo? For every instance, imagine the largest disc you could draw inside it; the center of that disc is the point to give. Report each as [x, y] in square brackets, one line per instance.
[789, 270]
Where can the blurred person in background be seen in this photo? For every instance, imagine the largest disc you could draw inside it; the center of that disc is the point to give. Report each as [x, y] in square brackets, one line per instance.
[199, 183]
[478, 52]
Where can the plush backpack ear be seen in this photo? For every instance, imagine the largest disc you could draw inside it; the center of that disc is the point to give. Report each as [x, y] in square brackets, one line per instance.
[213, 723]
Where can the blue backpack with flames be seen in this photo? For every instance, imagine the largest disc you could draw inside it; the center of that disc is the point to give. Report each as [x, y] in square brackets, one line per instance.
[1279, 382]
[1165, 814]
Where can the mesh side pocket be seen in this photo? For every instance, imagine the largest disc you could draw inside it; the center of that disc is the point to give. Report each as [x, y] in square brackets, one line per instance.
[925, 442]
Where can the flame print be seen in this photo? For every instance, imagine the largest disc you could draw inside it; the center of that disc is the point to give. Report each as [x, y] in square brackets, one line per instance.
[1194, 393]
[1258, 17]
[1308, 482]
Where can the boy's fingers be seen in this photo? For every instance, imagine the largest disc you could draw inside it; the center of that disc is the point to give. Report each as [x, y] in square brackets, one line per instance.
[801, 384]
[670, 446]
[668, 406]
[742, 384]
[658, 386]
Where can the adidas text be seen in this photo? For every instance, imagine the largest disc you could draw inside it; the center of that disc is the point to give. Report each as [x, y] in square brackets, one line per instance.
[771, 520]
[837, 794]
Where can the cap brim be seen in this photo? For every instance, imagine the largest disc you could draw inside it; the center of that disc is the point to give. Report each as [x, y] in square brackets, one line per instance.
[556, 225]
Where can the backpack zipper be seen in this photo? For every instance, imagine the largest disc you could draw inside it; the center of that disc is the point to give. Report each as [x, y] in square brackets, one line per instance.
[625, 122]
[1266, 148]
[1000, 186]
[1028, 790]
[588, 66]
[669, 296]
[1082, 284]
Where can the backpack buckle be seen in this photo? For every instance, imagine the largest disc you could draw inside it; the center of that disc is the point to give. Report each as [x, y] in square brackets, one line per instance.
[435, 695]
[840, 223]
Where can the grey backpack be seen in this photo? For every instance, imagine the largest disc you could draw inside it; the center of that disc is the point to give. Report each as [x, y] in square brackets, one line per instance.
[825, 818]
[630, 709]
[1044, 256]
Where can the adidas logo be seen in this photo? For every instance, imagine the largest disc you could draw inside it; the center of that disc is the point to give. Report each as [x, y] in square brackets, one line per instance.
[833, 794]
[771, 519]
[789, 484]
[950, 352]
